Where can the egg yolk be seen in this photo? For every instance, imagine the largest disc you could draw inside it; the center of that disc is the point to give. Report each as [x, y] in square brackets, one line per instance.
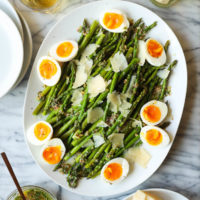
[47, 69]
[152, 113]
[52, 154]
[153, 137]
[112, 20]
[113, 171]
[154, 48]
[64, 49]
[41, 131]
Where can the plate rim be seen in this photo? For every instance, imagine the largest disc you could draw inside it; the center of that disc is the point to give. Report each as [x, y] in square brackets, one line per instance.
[17, 20]
[185, 92]
[26, 64]
[20, 50]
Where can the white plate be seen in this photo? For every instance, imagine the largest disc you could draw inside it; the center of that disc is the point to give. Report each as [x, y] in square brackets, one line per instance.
[66, 29]
[163, 194]
[11, 53]
[28, 48]
[7, 7]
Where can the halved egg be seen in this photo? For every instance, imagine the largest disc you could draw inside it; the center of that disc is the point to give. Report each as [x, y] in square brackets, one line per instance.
[153, 112]
[39, 133]
[114, 20]
[48, 70]
[115, 170]
[154, 136]
[53, 151]
[155, 53]
[64, 51]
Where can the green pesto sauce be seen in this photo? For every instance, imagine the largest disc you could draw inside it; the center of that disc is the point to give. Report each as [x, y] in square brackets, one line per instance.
[35, 194]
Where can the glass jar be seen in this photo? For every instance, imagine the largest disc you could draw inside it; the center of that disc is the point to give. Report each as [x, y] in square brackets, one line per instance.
[47, 6]
[163, 5]
[15, 193]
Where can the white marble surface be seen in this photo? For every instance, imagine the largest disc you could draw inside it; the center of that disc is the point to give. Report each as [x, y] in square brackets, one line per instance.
[180, 171]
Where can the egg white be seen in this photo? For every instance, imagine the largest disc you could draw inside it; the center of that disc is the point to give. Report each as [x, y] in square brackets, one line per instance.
[155, 61]
[31, 135]
[54, 54]
[165, 136]
[123, 27]
[54, 79]
[125, 169]
[52, 143]
[163, 109]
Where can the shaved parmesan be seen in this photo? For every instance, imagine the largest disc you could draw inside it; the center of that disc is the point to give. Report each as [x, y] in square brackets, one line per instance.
[141, 52]
[94, 114]
[77, 97]
[96, 85]
[102, 124]
[138, 155]
[115, 101]
[124, 106]
[98, 140]
[91, 48]
[81, 77]
[136, 123]
[88, 143]
[131, 86]
[84, 66]
[117, 139]
[118, 62]
[164, 73]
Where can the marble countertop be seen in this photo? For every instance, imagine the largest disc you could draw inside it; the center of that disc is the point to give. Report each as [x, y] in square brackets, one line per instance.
[179, 172]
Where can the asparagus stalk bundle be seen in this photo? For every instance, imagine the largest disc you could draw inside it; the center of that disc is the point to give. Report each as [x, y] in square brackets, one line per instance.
[70, 122]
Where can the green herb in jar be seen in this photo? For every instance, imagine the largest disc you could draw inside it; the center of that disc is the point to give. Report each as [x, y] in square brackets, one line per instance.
[35, 194]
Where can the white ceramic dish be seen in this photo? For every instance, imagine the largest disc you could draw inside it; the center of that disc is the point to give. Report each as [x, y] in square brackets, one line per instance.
[163, 194]
[11, 53]
[178, 81]
[28, 48]
[7, 7]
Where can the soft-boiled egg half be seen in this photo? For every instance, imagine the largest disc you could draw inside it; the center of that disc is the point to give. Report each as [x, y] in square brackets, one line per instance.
[153, 112]
[39, 133]
[155, 53]
[114, 20]
[53, 151]
[48, 70]
[115, 170]
[154, 136]
[64, 51]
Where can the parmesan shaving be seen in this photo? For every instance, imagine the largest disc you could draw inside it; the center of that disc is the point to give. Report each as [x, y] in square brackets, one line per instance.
[88, 143]
[91, 48]
[141, 52]
[136, 123]
[84, 66]
[117, 139]
[115, 101]
[131, 86]
[118, 62]
[98, 140]
[102, 124]
[94, 114]
[77, 97]
[138, 155]
[81, 77]
[96, 85]
[124, 106]
[164, 73]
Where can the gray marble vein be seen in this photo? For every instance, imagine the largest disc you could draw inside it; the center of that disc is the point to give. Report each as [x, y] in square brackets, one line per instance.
[179, 172]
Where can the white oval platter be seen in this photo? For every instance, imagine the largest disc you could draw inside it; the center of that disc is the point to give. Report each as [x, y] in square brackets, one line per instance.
[66, 28]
